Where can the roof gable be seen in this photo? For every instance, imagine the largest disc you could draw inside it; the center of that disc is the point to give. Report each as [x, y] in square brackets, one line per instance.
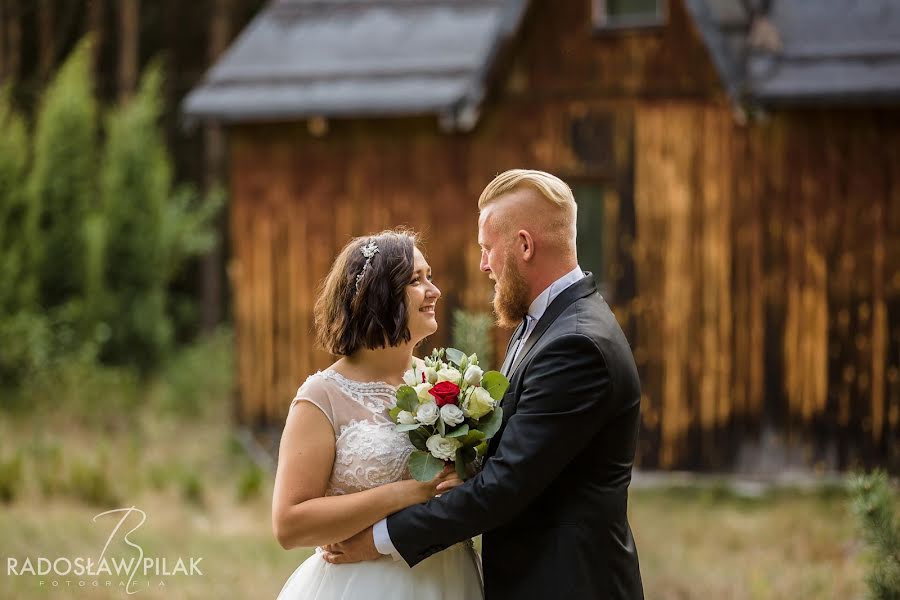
[803, 51]
[357, 57]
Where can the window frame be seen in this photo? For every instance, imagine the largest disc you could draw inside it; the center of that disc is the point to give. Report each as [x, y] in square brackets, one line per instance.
[602, 23]
[604, 184]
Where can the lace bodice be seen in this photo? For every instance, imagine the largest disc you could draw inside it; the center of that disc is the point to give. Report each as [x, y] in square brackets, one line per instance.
[368, 452]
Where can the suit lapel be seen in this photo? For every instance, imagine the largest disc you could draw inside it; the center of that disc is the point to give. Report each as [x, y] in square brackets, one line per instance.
[577, 290]
[509, 351]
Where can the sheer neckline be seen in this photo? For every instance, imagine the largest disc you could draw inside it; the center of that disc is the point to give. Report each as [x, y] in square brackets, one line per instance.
[330, 372]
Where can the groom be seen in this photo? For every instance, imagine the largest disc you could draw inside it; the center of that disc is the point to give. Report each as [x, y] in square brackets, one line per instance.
[552, 497]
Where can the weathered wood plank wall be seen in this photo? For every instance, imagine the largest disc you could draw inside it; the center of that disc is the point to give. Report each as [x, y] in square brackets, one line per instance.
[768, 262]
[294, 205]
[756, 269]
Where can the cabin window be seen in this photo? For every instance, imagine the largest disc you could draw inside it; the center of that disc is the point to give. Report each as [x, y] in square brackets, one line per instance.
[626, 14]
[590, 229]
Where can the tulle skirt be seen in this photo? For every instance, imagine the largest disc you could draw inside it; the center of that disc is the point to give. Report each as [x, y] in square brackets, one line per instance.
[453, 574]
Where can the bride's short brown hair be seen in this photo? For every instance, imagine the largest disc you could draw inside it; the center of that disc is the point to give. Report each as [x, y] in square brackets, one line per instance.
[375, 315]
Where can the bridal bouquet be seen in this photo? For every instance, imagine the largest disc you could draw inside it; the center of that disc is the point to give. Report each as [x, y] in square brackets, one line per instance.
[450, 410]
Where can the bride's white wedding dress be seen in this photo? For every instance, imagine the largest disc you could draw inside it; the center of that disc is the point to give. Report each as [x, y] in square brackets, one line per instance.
[369, 453]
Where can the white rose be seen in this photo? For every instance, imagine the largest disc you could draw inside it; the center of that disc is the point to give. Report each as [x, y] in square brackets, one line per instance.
[428, 413]
[478, 403]
[449, 374]
[473, 375]
[409, 378]
[431, 375]
[422, 392]
[406, 418]
[443, 448]
[452, 415]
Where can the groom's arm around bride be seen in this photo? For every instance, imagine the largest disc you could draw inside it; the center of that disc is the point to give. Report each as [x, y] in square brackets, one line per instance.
[551, 499]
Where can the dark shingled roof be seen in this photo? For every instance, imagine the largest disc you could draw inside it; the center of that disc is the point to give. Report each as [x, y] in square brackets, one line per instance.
[334, 58]
[303, 58]
[781, 52]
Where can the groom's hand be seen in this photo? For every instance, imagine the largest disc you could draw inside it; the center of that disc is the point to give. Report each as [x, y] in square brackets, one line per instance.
[359, 548]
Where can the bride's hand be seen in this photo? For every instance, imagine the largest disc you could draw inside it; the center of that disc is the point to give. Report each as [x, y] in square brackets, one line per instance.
[446, 480]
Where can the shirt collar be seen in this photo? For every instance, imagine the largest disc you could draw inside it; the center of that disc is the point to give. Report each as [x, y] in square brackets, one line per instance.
[540, 304]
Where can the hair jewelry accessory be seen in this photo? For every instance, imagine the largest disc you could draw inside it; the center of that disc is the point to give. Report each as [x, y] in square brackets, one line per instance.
[369, 250]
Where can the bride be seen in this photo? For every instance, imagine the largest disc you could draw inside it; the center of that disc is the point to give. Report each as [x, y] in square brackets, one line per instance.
[341, 465]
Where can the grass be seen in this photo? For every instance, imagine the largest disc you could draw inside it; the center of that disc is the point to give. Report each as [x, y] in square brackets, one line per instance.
[694, 543]
[174, 455]
[165, 446]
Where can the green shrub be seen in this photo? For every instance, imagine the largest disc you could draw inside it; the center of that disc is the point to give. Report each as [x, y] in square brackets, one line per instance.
[61, 184]
[91, 238]
[49, 469]
[90, 483]
[199, 378]
[192, 488]
[250, 483]
[150, 228]
[234, 449]
[159, 477]
[18, 280]
[100, 395]
[23, 332]
[473, 333]
[25, 347]
[11, 481]
[874, 507]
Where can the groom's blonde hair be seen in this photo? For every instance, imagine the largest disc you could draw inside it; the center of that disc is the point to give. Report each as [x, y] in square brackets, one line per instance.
[558, 194]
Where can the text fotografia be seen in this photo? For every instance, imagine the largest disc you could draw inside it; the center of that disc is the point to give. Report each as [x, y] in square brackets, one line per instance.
[132, 572]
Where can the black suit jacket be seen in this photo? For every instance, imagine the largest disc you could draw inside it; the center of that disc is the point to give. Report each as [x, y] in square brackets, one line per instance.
[552, 497]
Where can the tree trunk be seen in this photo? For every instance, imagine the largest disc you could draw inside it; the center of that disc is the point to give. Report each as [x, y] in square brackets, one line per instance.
[3, 51]
[95, 27]
[215, 165]
[46, 39]
[13, 23]
[129, 40]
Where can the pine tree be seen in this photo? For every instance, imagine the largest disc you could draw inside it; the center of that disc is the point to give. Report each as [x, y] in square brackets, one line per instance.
[24, 341]
[472, 334]
[18, 287]
[874, 507]
[89, 248]
[61, 186]
[149, 227]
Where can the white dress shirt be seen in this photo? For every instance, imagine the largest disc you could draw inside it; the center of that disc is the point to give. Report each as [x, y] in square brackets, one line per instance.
[537, 309]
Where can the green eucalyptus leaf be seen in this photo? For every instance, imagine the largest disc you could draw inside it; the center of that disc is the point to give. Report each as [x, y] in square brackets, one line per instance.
[394, 412]
[455, 356]
[495, 383]
[407, 399]
[461, 465]
[472, 438]
[403, 428]
[490, 423]
[458, 432]
[418, 437]
[423, 466]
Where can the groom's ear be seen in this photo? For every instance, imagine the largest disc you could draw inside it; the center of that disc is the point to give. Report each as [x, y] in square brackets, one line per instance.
[526, 245]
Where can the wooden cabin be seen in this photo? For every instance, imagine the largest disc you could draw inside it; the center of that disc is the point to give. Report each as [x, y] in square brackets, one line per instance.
[736, 166]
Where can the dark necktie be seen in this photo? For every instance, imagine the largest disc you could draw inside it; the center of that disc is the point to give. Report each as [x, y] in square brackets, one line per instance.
[513, 349]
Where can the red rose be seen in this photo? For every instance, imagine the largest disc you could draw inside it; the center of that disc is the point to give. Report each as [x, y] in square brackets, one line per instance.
[445, 392]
